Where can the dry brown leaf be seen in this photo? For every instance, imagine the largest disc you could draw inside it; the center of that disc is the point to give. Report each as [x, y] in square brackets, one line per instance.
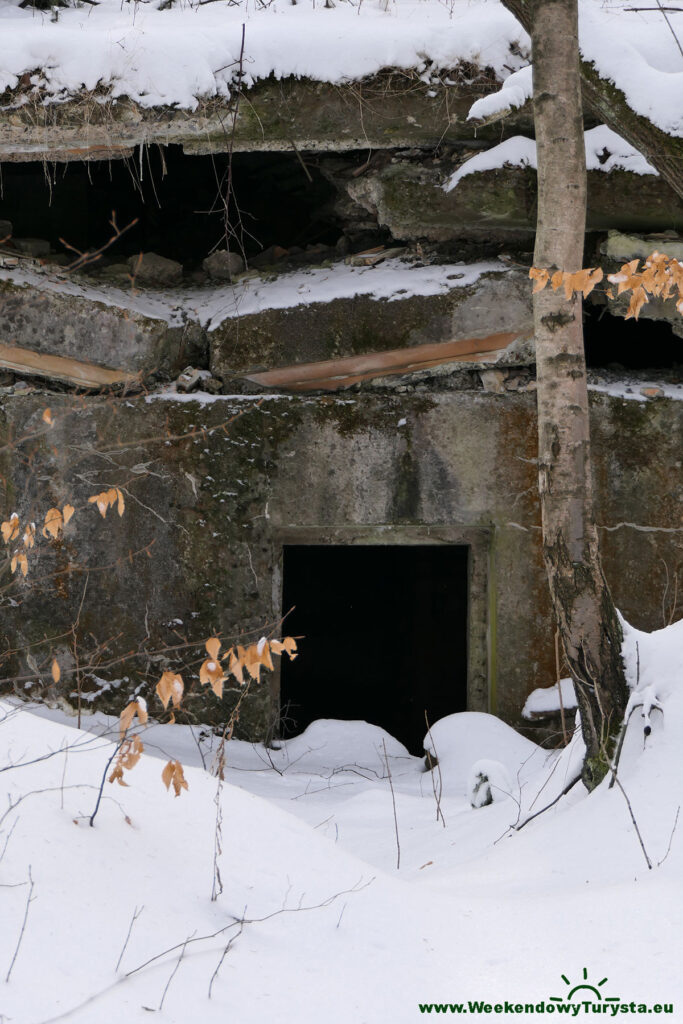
[131, 752]
[213, 646]
[30, 536]
[638, 300]
[19, 561]
[56, 671]
[170, 688]
[10, 528]
[173, 775]
[102, 502]
[540, 276]
[67, 513]
[120, 503]
[556, 280]
[235, 667]
[211, 672]
[252, 662]
[290, 646]
[53, 523]
[117, 775]
[126, 717]
[47, 417]
[263, 648]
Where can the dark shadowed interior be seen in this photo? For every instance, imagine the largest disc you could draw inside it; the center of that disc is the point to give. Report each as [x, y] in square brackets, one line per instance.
[385, 631]
[614, 343]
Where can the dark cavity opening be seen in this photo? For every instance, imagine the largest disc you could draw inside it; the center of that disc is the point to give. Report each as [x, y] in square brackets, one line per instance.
[385, 632]
[617, 344]
[278, 199]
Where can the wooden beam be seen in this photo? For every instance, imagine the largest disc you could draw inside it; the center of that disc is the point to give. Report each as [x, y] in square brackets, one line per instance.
[332, 374]
[62, 368]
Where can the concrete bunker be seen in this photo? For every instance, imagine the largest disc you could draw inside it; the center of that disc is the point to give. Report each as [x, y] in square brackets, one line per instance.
[398, 610]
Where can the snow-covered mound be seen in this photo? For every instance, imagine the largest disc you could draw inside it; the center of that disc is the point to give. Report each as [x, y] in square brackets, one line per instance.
[315, 920]
[330, 745]
[458, 741]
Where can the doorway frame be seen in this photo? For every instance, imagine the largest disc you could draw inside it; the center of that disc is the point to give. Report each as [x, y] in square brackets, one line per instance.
[475, 538]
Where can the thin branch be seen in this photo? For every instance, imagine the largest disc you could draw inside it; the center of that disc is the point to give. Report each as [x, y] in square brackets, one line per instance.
[635, 823]
[226, 950]
[175, 969]
[393, 801]
[668, 849]
[671, 28]
[29, 900]
[437, 793]
[254, 920]
[104, 779]
[570, 785]
[136, 914]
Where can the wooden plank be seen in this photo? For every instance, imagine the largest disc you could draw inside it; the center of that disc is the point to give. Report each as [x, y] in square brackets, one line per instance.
[62, 368]
[332, 374]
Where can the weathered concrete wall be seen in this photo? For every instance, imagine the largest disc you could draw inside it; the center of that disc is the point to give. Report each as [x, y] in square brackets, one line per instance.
[217, 499]
[406, 196]
[387, 110]
[497, 303]
[86, 329]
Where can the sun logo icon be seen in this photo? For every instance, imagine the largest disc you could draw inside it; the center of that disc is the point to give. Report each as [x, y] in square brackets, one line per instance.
[586, 989]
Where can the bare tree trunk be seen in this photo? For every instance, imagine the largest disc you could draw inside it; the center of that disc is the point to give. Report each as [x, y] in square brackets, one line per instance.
[665, 152]
[585, 613]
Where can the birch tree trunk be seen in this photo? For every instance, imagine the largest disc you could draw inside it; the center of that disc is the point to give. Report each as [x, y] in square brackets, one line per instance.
[586, 616]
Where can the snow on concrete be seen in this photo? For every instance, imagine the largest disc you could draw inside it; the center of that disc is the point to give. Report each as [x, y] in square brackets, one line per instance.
[550, 698]
[605, 151]
[515, 91]
[191, 51]
[392, 280]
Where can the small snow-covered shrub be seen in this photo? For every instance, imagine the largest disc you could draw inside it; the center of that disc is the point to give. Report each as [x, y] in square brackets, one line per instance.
[487, 781]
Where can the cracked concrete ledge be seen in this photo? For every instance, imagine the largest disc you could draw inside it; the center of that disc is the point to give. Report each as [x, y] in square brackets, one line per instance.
[271, 116]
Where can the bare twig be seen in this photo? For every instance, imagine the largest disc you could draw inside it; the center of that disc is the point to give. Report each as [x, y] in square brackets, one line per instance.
[570, 785]
[393, 801]
[104, 779]
[7, 838]
[671, 28]
[236, 922]
[633, 819]
[136, 914]
[92, 255]
[673, 830]
[175, 969]
[29, 900]
[559, 685]
[226, 950]
[437, 792]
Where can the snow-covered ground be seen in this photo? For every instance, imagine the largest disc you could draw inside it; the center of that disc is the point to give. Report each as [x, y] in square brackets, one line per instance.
[189, 51]
[316, 922]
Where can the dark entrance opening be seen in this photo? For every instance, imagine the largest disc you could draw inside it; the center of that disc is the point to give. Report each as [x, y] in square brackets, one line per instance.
[385, 636]
[178, 203]
[614, 343]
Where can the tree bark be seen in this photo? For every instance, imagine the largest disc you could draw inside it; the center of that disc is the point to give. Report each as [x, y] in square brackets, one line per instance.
[664, 152]
[586, 616]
